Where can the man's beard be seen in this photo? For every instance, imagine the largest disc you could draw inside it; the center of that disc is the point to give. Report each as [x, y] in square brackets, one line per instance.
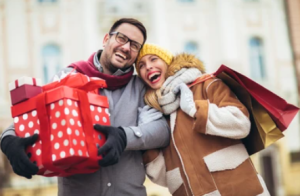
[111, 67]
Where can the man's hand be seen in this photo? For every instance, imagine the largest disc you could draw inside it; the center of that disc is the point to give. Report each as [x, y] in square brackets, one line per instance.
[148, 114]
[187, 103]
[113, 147]
[14, 148]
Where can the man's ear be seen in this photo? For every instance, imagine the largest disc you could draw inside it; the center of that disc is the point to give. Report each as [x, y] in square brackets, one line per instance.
[105, 39]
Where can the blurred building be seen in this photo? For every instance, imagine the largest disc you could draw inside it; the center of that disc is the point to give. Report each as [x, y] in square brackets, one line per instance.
[38, 37]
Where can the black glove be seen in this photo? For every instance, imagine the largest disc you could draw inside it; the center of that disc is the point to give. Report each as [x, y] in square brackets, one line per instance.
[14, 148]
[113, 147]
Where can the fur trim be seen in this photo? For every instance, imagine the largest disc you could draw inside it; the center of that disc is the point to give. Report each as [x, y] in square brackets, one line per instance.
[174, 180]
[219, 161]
[233, 124]
[173, 121]
[156, 170]
[184, 61]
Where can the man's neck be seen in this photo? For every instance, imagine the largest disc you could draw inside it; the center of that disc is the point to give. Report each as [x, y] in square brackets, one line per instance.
[105, 70]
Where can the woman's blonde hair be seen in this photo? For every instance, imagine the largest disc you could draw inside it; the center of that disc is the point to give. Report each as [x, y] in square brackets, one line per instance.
[151, 98]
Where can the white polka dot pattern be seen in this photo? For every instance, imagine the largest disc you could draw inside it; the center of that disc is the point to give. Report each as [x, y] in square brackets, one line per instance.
[33, 113]
[99, 116]
[67, 138]
[16, 119]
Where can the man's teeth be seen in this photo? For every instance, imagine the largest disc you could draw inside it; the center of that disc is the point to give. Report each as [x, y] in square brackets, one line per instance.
[121, 55]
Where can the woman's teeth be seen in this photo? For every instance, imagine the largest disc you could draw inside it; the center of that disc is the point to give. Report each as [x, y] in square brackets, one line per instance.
[154, 76]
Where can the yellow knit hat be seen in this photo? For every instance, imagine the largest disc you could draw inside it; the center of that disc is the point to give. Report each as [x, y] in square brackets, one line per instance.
[156, 50]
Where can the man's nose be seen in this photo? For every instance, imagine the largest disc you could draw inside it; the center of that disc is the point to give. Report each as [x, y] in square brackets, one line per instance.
[126, 46]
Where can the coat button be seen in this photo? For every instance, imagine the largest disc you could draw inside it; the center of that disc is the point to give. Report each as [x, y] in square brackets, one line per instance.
[139, 134]
[109, 184]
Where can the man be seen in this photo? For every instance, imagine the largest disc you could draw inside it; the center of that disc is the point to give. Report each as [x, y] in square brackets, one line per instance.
[122, 172]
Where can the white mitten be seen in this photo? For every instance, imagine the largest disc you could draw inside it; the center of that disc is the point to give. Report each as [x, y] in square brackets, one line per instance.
[184, 75]
[171, 107]
[187, 103]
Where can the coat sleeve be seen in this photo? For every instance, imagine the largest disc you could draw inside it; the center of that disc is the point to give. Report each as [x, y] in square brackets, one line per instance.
[155, 134]
[221, 114]
[9, 131]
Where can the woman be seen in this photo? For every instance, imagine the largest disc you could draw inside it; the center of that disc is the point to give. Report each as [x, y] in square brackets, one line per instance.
[205, 155]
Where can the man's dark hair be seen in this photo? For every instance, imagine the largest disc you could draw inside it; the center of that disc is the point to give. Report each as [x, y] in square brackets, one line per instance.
[133, 22]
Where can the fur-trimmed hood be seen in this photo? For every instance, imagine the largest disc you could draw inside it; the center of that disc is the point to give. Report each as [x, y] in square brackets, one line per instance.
[184, 60]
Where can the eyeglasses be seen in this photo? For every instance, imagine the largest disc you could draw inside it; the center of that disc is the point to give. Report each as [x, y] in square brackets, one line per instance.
[123, 39]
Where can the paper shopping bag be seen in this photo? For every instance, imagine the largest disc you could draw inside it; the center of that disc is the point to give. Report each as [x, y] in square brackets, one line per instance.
[264, 130]
[280, 111]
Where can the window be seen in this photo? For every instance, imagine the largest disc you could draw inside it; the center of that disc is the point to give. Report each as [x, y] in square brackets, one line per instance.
[51, 61]
[257, 65]
[191, 47]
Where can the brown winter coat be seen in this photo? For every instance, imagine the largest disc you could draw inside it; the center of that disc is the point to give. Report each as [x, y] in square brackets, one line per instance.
[206, 155]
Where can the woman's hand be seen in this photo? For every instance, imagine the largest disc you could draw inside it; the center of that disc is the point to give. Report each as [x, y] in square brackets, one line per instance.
[184, 75]
[187, 103]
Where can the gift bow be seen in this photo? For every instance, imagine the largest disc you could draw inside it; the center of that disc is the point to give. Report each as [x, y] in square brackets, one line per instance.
[80, 84]
[78, 81]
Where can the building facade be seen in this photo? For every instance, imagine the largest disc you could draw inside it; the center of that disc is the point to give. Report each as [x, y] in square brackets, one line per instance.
[38, 37]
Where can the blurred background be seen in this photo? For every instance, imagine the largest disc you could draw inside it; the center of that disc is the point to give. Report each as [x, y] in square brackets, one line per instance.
[258, 38]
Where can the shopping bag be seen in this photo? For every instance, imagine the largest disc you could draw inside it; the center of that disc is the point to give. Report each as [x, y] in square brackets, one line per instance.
[280, 111]
[264, 129]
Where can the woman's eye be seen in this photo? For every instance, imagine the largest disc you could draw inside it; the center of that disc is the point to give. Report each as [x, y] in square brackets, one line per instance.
[141, 65]
[153, 59]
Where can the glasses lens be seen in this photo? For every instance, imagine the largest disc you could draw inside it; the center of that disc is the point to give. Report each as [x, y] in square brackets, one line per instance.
[121, 38]
[134, 46]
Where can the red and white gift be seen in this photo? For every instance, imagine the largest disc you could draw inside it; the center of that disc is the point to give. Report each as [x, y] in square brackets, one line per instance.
[63, 115]
[24, 88]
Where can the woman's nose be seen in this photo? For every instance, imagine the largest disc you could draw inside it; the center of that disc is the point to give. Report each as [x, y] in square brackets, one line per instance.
[149, 66]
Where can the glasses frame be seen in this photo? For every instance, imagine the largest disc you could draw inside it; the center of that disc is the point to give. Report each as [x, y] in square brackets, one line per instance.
[128, 40]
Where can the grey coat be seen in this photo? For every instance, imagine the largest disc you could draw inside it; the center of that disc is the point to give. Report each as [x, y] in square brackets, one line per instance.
[128, 175]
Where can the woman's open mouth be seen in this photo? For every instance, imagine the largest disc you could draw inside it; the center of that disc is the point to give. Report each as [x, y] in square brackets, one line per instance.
[154, 77]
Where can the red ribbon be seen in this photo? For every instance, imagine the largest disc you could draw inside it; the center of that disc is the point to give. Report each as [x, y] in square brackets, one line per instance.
[87, 124]
[16, 83]
[33, 81]
[78, 81]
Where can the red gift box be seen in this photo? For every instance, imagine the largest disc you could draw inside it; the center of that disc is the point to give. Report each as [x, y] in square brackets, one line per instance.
[24, 88]
[64, 119]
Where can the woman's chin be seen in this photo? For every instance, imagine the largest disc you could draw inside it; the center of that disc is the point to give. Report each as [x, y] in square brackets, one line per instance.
[155, 86]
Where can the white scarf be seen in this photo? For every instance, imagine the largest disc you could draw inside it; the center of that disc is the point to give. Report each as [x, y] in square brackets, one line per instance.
[167, 99]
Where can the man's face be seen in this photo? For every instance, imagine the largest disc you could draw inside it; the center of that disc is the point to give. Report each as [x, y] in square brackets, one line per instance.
[116, 55]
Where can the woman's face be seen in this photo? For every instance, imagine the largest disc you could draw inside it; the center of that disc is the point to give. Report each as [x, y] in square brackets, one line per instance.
[153, 70]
